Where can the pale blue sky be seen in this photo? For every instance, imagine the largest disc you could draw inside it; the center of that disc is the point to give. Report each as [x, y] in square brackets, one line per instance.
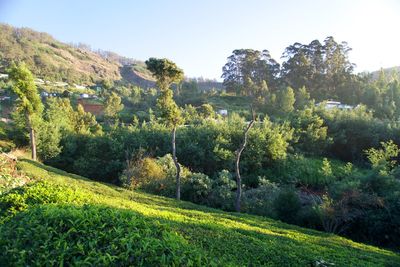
[200, 35]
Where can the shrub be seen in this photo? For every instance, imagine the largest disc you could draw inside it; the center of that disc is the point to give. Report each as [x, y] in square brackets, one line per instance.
[140, 172]
[260, 200]
[197, 188]
[223, 195]
[6, 146]
[91, 235]
[10, 177]
[287, 205]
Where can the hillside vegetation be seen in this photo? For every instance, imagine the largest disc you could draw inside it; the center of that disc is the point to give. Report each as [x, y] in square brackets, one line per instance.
[51, 59]
[62, 218]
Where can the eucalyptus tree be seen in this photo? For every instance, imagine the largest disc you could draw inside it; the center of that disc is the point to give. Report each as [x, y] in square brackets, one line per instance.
[323, 68]
[245, 64]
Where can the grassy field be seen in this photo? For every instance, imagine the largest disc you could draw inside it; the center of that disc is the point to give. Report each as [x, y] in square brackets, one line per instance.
[64, 218]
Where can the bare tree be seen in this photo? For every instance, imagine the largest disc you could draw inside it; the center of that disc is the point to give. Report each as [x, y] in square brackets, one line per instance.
[237, 162]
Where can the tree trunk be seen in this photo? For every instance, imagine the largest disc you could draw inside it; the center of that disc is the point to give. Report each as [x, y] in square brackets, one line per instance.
[178, 167]
[237, 165]
[31, 136]
[33, 143]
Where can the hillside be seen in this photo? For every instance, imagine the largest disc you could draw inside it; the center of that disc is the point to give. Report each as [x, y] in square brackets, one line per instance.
[63, 218]
[51, 59]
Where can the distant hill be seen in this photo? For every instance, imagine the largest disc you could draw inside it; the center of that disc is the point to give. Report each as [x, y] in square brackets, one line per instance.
[51, 59]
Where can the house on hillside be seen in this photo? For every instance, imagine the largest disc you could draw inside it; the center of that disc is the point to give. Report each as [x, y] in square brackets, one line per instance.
[334, 104]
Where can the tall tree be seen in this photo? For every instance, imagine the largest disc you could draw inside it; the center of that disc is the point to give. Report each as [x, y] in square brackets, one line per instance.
[302, 98]
[324, 69]
[254, 92]
[29, 102]
[238, 153]
[167, 72]
[113, 105]
[286, 100]
[244, 64]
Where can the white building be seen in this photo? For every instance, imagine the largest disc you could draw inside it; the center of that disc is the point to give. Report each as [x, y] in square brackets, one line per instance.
[334, 104]
[222, 112]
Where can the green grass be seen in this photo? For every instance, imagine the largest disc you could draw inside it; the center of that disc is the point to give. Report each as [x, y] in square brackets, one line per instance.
[177, 232]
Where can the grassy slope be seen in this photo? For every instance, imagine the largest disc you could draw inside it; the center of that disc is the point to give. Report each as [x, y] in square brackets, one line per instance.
[46, 57]
[228, 238]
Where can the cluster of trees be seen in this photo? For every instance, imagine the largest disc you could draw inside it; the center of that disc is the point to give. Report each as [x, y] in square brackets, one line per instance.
[323, 68]
[318, 70]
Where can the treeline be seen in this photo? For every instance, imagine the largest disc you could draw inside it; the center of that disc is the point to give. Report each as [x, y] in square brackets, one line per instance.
[319, 70]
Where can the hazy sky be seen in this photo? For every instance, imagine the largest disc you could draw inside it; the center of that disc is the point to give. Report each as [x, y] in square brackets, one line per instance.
[200, 35]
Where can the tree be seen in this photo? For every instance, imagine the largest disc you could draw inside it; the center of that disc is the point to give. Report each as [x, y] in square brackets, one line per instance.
[167, 72]
[245, 64]
[113, 105]
[303, 98]
[207, 111]
[383, 159]
[29, 102]
[286, 100]
[85, 122]
[254, 92]
[324, 69]
[237, 164]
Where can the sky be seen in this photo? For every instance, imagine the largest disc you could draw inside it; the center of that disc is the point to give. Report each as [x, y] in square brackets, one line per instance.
[200, 35]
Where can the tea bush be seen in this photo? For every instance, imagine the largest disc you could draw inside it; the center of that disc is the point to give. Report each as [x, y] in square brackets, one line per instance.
[40, 192]
[91, 235]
